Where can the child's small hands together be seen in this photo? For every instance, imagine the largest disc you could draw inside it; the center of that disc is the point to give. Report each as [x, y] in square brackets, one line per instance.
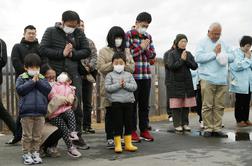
[122, 83]
[35, 78]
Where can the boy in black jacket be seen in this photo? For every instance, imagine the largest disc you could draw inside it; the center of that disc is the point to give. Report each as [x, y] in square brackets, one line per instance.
[33, 90]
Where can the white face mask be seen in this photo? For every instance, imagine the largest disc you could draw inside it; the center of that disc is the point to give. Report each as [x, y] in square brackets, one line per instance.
[33, 72]
[68, 30]
[142, 30]
[118, 68]
[118, 42]
[62, 78]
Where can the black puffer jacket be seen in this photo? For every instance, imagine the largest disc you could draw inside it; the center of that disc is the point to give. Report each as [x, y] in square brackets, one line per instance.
[3, 58]
[179, 81]
[52, 46]
[19, 51]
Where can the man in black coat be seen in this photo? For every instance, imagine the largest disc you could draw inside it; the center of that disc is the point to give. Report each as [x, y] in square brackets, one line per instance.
[4, 114]
[65, 45]
[29, 44]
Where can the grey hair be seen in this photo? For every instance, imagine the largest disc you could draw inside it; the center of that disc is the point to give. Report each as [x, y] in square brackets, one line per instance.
[214, 25]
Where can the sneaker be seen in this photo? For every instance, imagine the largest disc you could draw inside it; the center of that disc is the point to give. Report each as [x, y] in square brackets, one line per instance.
[36, 158]
[73, 136]
[248, 123]
[242, 124]
[146, 136]
[135, 137]
[222, 125]
[220, 134]
[27, 158]
[81, 144]
[53, 152]
[88, 130]
[186, 128]
[170, 118]
[110, 144]
[13, 141]
[73, 152]
[207, 134]
[149, 128]
[179, 129]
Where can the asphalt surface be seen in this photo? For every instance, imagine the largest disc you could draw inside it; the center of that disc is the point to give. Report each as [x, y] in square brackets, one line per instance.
[168, 148]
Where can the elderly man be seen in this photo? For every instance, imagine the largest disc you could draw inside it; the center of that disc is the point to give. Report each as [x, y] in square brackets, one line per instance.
[213, 56]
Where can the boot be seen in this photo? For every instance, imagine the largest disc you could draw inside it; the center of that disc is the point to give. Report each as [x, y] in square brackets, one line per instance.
[128, 144]
[118, 144]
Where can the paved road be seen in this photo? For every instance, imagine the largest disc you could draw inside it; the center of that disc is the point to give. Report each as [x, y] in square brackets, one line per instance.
[190, 149]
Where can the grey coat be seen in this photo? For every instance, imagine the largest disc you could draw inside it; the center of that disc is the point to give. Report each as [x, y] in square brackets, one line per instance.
[114, 91]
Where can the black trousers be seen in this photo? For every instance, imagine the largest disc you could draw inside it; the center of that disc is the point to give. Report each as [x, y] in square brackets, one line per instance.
[141, 105]
[6, 117]
[18, 131]
[198, 97]
[242, 106]
[77, 82]
[121, 114]
[109, 123]
[87, 89]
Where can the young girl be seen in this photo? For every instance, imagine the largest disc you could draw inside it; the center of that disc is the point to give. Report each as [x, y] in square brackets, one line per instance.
[62, 116]
[116, 42]
[50, 134]
[120, 86]
[180, 86]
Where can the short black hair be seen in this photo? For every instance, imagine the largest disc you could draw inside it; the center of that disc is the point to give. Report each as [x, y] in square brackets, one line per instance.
[119, 55]
[44, 68]
[29, 27]
[116, 32]
[32, 60]
[70, 15]
[246, 40]
[144, 17]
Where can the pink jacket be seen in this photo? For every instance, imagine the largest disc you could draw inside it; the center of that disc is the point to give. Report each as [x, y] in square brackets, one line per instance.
[61, 89]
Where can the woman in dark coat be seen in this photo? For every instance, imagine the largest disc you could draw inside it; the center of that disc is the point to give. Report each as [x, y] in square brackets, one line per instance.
[179, 83]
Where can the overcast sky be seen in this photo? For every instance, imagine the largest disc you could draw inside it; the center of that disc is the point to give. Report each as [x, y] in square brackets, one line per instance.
[191, 17]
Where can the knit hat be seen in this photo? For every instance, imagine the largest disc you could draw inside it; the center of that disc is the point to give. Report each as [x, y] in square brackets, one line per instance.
[178, 38]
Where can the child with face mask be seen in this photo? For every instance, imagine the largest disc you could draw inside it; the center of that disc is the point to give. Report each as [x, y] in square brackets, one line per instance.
[61, 113]
[120, 86]
[32, 88]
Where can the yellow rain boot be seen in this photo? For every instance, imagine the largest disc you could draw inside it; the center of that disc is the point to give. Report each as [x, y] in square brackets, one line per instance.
[128, 144]
[118, 144]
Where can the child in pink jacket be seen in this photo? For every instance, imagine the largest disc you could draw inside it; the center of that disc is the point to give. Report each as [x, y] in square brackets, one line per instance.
[63, 116]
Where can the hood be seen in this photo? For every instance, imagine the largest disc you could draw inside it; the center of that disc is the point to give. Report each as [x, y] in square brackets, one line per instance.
[23, 41]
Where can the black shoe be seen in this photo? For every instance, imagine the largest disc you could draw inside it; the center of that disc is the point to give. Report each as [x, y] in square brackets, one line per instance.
[149, 128]
[13, 141]
[220, 134]
[207, 134]
[81, 144]
[88, 130]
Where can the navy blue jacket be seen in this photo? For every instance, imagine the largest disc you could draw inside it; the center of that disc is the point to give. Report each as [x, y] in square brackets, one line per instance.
[33, 95]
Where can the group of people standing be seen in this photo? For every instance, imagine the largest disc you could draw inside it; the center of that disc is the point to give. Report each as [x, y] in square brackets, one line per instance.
[55, 77]
[200, 82]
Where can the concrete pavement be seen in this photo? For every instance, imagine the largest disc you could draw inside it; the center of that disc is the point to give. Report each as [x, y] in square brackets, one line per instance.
[168, 148]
